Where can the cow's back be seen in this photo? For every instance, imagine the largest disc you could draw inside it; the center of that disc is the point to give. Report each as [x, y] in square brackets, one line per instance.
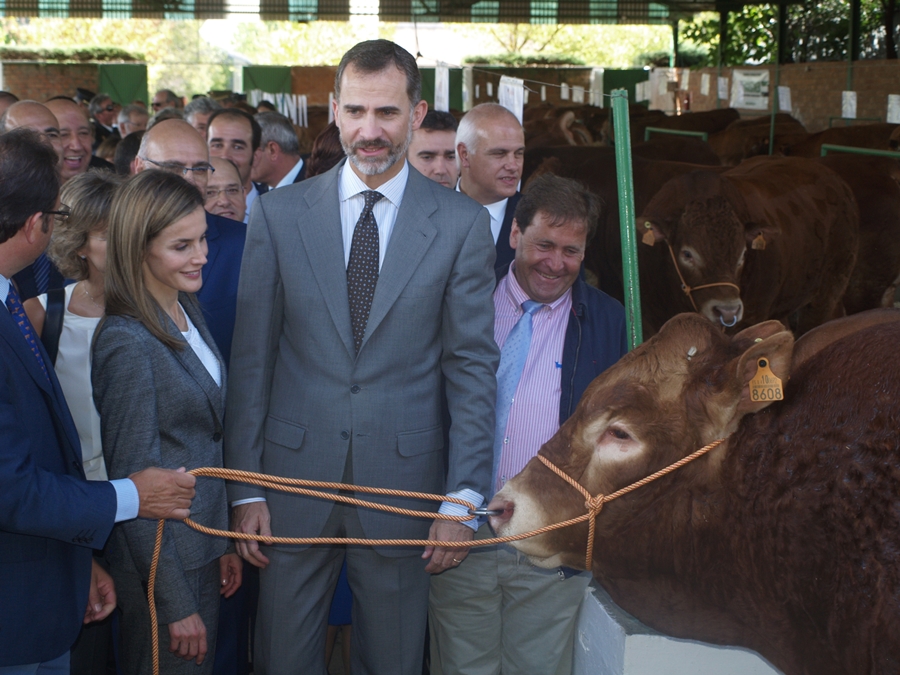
[817, 490]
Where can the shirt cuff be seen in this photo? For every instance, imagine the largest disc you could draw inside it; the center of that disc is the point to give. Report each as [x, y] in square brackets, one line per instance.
[238, 502]
[128, 501]
[451, 509]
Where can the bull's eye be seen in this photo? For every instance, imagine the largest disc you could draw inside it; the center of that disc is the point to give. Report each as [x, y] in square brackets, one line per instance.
[619, 434]
[687, 256]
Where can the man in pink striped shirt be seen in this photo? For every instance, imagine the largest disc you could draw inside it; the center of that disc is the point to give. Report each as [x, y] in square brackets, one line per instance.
[495, 612]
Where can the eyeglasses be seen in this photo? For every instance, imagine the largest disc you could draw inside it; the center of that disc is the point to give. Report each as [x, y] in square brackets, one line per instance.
[172, 167]
[231, 191]
[62, 215]
[109, 108]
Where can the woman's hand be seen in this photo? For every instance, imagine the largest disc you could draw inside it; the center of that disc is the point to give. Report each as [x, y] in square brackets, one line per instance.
[231, 569]
[188, 638]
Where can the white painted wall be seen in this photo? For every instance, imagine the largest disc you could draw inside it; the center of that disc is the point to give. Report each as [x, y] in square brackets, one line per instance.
[611, 642]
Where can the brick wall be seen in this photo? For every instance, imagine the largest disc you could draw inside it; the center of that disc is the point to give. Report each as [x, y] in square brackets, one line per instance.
[316, 82]
[40, 81]
[815, 89]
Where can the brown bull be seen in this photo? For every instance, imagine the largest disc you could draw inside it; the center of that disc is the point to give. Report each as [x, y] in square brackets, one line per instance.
[876, 136]
[784, 539]
[763, 240]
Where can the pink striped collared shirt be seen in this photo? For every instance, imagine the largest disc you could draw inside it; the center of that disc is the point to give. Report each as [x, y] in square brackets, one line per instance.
[534, 416]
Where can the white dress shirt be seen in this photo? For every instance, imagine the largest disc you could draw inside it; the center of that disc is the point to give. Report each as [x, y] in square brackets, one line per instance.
[497, 210]
[291, 175]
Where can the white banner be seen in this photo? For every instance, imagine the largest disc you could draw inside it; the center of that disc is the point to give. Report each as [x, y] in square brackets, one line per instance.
[750, 89]
[704, 84]
[577, 94]
[442, 88]
[543, 93]
[564, 92]
[597, 87]
[511, 95]
[893, 110]
[685, 79]
[722, 89]
[848, 104]
[490, 89]
[784, 99]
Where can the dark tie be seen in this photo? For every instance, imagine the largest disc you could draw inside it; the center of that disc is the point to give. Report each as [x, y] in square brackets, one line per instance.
[362, 270]
[41, 268]
[14, 304]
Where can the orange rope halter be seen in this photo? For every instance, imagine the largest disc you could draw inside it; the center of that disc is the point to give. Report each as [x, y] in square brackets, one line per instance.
[299, 486]
[688, 289]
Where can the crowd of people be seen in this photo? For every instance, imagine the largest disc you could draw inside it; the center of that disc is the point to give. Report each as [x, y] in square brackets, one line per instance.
[186, 288]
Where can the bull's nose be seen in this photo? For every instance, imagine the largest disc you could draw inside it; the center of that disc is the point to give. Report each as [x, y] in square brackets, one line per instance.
[729, 314]
[504, 510]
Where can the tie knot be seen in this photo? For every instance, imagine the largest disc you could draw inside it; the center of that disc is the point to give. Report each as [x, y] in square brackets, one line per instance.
[531, 306]
[372, 198]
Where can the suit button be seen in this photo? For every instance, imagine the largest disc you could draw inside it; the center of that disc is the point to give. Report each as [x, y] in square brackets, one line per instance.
[217, 437]
[345, 435]
[354, 389]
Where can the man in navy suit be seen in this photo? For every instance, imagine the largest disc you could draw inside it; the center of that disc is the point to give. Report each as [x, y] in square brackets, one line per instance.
[174, 145]
[280, 162]
[50, 515]
[490, 145]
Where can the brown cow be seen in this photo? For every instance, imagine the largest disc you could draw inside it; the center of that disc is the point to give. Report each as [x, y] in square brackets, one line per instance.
[785, 539]
[558, 127]
[748, 138]
[875, 182]
[785, 230]
[876, 136]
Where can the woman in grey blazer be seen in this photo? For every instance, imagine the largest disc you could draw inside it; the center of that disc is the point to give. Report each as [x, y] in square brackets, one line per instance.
[159, 386]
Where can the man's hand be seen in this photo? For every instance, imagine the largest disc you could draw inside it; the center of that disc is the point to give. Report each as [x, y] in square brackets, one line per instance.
[445, 558]
[102, 596]
[188, 638]
[164, 493]
[231, 569]
[252, 518]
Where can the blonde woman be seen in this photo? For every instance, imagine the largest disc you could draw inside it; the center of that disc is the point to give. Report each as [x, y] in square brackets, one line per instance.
[159, 386]
[78, 249]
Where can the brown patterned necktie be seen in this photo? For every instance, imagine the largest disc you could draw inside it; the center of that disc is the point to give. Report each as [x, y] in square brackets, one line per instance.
[362, 270]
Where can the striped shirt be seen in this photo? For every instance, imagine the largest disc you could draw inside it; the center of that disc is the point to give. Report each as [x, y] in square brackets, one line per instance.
[534, 416]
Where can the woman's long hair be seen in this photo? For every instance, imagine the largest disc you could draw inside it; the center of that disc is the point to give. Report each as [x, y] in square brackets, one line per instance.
[141, 209]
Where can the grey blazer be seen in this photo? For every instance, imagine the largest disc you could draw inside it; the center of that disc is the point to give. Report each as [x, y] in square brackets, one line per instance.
[160, 407]
[300, 395]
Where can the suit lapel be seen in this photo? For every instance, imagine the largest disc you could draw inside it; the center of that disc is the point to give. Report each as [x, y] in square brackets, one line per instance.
[410, 239]
[320, 231]
[192, 363]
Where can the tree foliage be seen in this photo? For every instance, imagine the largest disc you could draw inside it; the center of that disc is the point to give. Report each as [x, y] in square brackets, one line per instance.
[815, 32]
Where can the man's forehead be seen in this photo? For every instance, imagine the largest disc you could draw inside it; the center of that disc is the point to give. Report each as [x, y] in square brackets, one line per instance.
[224, 174]
[230, 128]
[435, 141]
[179, 146]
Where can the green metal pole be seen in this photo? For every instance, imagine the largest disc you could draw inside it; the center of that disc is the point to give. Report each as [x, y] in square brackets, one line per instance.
[625, 181]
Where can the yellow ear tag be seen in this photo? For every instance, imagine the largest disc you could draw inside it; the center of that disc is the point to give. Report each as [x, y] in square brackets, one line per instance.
[765, 386]
[649, 238]
[759, 243]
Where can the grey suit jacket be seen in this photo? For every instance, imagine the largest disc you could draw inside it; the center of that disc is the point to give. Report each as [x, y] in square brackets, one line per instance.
[160, 407]
[300, 395]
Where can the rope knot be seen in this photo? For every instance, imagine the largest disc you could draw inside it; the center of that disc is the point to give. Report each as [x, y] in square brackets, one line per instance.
[595, 505]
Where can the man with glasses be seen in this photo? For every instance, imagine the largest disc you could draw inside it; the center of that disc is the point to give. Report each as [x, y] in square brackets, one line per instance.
[174, 145]
[166, 98]
[236, 135]
[224, 193]
[103, 111]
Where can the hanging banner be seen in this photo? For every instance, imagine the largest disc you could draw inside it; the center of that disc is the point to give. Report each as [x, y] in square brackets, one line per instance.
[685, 79]
[722, 88]
[564, 92]
[511, 95]
[442, 87]
[577, 94]
[704, 84]
[848, 104]
[597, 87]
[893, 110]
[784, 99]
[490, 89]
[543, 93]
[750, 89]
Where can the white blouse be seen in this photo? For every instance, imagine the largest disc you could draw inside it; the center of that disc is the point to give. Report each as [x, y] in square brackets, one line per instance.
[73, 369]
[202, 350]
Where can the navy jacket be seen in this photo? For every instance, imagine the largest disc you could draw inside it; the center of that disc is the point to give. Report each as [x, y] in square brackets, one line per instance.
[218, 295]
[505, 253]
[50, 516]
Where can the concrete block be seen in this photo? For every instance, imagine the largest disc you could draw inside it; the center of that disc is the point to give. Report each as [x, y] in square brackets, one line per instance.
[609, 641]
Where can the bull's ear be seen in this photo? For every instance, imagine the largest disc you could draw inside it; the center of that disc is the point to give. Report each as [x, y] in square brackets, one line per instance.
[565, 126]
[759, 236]
[771, 344]
[649, 231]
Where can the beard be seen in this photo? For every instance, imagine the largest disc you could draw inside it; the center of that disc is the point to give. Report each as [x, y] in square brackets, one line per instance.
[372, 166]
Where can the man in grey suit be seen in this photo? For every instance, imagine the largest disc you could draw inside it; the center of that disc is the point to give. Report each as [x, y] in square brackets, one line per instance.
[365, 293]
